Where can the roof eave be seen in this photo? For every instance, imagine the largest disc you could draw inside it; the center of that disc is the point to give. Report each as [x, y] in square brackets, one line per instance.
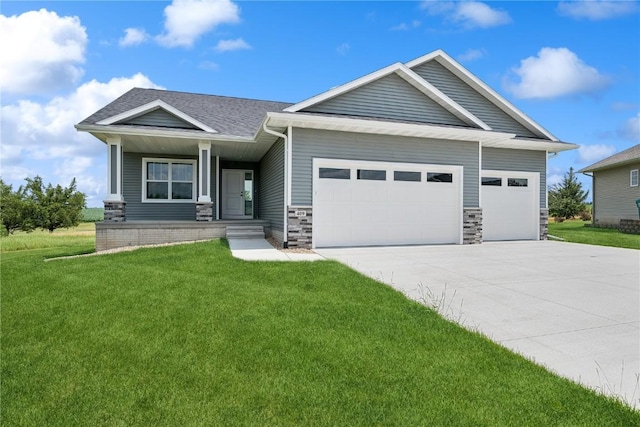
[169, 133]
[486, 138]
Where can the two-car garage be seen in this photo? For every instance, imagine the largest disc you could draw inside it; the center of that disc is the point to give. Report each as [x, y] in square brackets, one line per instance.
[364, 203]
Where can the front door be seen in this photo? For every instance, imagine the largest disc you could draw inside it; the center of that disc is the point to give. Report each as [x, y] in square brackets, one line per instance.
[237, 194]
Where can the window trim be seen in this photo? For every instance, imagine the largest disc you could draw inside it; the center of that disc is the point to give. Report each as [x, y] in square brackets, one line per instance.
[631, 173]
[194, 180]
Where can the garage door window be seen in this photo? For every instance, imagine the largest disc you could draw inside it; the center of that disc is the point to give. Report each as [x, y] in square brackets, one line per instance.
[407, 176]
[332, 173]
[439, 177]
[372, 175]
[518, 182]
[492, 182]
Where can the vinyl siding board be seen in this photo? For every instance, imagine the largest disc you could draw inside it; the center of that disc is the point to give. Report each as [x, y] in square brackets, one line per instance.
[389, 97]
[161, 118]
[470, 99]
[271, 206]
[311, 143]
[614, 198]
[136, 210]
[518, 160]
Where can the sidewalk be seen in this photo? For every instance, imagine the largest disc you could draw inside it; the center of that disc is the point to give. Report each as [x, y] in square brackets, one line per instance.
[261, 250]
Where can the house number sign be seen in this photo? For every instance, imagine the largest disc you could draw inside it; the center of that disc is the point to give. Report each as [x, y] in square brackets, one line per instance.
[300, 213]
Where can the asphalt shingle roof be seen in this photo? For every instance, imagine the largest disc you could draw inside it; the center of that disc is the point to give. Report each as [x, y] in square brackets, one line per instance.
[227, 115]
[625, 156]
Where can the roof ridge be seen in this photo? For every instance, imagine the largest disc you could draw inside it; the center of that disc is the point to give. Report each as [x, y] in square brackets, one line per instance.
[209, 95]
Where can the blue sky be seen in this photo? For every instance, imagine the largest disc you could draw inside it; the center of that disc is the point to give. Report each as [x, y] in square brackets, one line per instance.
[574, 67]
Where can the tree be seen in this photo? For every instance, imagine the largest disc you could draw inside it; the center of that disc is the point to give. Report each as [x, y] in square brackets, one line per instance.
[15, 211]
[54, 207]
[567, 198]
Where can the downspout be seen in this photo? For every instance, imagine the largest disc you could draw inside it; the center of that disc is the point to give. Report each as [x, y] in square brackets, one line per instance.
[285, 138]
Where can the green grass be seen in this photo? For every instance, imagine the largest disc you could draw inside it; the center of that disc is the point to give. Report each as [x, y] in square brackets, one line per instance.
[187, 335]
[578, 231]
[92, 214]
[79, 239]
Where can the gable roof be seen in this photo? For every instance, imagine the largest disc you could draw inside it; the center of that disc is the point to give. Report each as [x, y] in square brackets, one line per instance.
[410, 77]
[627, 156]
[213, 114]
[475, 83]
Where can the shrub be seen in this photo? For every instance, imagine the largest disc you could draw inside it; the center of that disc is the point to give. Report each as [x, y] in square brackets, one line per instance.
[585, 215]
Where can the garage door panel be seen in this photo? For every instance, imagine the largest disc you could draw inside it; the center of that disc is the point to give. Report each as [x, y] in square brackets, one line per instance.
[363, 212]
[510, 212]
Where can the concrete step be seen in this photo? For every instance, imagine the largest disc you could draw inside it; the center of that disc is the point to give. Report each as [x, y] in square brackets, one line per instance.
[245, 232]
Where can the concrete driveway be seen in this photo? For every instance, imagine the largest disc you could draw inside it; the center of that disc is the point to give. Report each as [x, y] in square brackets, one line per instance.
[572, 308]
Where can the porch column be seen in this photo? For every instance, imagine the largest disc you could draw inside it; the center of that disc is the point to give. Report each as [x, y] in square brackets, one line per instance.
[204, 207]
[114, 204]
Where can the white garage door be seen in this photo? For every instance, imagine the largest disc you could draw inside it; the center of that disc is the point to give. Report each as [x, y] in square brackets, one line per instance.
[510, 205]
[357, 203]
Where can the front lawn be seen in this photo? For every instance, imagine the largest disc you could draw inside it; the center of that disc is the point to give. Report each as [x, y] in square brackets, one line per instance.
[578, 231]
[188, 335]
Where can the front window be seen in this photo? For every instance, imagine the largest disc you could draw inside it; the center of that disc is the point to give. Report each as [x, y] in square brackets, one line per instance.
[633, 178]
[167, 180]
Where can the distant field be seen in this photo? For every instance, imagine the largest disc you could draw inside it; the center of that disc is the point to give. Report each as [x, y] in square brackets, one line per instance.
[92, 214]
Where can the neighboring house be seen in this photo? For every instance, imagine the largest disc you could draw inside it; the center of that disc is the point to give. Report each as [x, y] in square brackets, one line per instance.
[615, 187]
[416, 153]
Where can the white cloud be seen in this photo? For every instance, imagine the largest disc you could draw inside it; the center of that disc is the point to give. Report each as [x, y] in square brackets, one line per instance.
[472, 55]
[133, 37]
[630, 129]
[596, 10]
[624, 106]
[554, 72]
[209, 65]
[230, 45]
[343, 49]
[554, 179]
[467, 14]
[187, 20]
[594, 153]
[406, 27]
[40, 52]
[40, 138]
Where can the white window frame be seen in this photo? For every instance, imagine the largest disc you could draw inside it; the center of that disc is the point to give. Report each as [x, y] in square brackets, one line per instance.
[631, 176]
[194, 180]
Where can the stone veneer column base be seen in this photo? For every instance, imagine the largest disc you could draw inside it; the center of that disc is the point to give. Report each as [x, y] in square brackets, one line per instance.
[204, 211]
[471, 226]
[300, 229]
[115, 211]
[629, 226]
[544, 224]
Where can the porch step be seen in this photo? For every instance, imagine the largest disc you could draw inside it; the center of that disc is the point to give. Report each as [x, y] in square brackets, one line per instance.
[245, 232]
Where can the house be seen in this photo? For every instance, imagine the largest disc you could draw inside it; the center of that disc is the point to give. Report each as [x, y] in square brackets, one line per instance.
[421, 152]
[615, 188]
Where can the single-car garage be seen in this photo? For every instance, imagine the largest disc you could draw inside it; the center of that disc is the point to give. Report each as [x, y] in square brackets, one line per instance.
[363, 203]
[510, 205]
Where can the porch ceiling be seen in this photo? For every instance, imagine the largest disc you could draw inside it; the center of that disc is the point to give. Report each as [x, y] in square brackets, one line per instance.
[186, 144]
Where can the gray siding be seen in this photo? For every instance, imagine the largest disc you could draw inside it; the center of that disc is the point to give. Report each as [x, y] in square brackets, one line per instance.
[518, 160]
[271, 201]
[614, 199]
[389, 97]
[132, 193]
[310, 143]
[469, 99]
[162, 118]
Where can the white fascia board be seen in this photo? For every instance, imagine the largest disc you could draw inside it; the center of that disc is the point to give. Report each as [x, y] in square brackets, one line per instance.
[486, 138]
[169, 133]
[339, 90]
[153, 105]
[439, 97]
[465, 75]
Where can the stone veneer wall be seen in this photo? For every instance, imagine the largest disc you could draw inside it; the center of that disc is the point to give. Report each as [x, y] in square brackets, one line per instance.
[544, 224]
[629, 226]
[204, 211]
[471, 226]
[300, 228]
[115, 211]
